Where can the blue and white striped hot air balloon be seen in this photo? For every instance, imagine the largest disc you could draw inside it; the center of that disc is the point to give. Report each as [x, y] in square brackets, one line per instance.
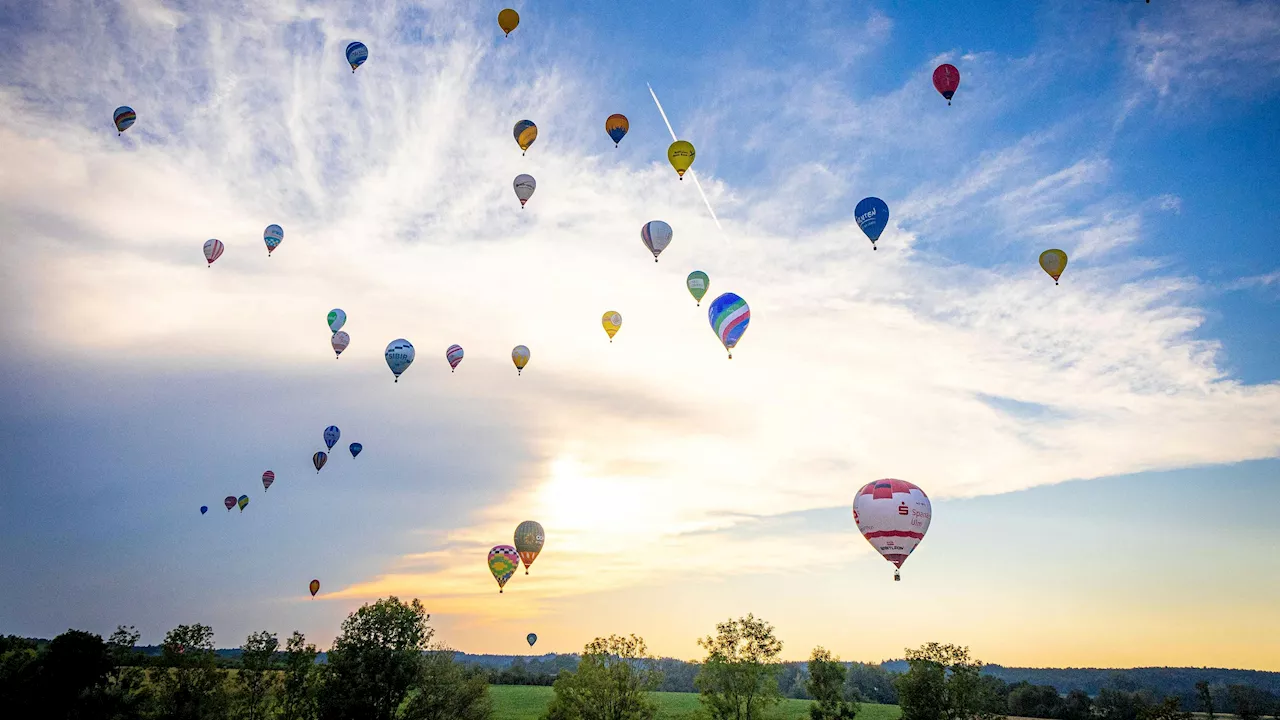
[729, 316]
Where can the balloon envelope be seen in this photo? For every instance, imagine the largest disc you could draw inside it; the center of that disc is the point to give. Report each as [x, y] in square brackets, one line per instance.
[340, 341]
[656, 235]
[124, 117]
[453, 355]
[503, 561]
[399, 355]
[729, 316]
[681, 155]
[243, 501]
[331, 435]
[204, 509]
[268, 477]
[230, 502]
[355, 449]
[1053, 262]
[893, 515]
[531, 638]
[508, 19]
[616, 126]
[697, 282]
[612, 322]
[525, 133]
[213, 250]
[872, 215]
[946, 79]
[520, 356]
[524, 185]
[319, 459]
[273, 236]
[529, 538]
[357, 53]
[337, 318]
[315, 587]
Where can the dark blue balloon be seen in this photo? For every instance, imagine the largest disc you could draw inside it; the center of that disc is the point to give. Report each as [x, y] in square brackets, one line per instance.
[204, 509]
[331, 435]
[873, 216]
[355, 449]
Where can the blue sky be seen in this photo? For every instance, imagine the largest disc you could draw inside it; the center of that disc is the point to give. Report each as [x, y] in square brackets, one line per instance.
[1088, 447]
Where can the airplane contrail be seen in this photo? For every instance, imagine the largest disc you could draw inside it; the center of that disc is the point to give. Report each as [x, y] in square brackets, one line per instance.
[690, 171]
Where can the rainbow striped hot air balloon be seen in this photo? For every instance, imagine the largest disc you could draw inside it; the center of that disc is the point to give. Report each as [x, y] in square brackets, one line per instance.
[124, 117]
[729, 316]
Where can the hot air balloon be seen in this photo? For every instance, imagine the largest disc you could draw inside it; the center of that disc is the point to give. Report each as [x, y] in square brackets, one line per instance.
[355, 449]
[656, 235]
[357, 53]
[681, 155]
[616, 126]
[697, 282]
[272, 236]
[946, 78]
[337, 318]
[268, 477]
[399, 355]
[893, 515]
[331, 435]
[503, 562]
[508, 20]
[319, 459]
[204, 509]
[531, 638]
[612, 323]
[729, 316]
[315, 587]
[529, 538]
[520, 356]
[872, 216]
[524, 185]
[213, 250]
[230, 502]
[124, 118]
[526, 132]
[339, 341]
[454, 356]
[1053, 262]
[243, 501]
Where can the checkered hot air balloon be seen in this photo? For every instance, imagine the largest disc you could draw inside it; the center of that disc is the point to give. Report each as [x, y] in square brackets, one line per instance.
[503, 562]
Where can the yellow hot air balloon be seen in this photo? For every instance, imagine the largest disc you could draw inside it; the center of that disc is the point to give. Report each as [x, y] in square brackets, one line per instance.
[612, 323]
[508, 20]
[525, 132]
[1054, 262]
[681, 155]
[520, 356]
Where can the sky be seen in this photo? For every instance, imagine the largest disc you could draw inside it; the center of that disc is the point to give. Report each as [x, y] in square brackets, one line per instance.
[1103, 456]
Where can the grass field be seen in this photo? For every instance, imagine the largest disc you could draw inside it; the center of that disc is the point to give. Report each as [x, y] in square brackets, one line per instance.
[527, 702]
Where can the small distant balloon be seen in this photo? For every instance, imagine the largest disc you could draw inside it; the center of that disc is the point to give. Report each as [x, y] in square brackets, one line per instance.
[524, 185]
[454, 356]
[337, 318]
[872, 215]
[697, 282]
[340, 341]
[612, 323]
[1053, 262]
[243, 501]
[273, 236]
[525, 132]
[508, 19]
[230, 502]
[681, 154]
[399, 355]
[531, 638]
[315, 587]
[213, 250]
[520, 356]
[529, 538]
[355, 449]
[729, 316]
[319, 459]
[124, 118]
[616, 126]
[503, 562]
[946, 79]
[331, 435]
[656, 235]
[268, 477]
[357, 53]
[205, 508]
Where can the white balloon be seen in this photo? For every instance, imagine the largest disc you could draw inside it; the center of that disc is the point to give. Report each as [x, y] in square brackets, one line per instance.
[656, 236]
[893, 515]
[399, 356]
[524, 185]
[340, 342]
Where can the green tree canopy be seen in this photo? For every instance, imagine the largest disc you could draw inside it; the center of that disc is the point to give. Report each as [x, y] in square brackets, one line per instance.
[612, 682]
[943, 682]
[739, 678]
[826, 687]
[375, 660]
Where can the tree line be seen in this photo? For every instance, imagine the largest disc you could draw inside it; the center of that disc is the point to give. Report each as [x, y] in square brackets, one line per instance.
[386, 665]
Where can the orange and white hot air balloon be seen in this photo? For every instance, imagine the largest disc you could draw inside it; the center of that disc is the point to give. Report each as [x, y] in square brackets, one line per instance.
[893, 515]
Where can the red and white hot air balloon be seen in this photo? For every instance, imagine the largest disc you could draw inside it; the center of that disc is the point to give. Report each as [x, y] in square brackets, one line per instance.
[268, 477]
[213, 250]
[893, 515]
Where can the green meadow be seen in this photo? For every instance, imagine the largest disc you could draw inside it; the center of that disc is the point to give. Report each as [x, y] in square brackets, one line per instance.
[527, 702]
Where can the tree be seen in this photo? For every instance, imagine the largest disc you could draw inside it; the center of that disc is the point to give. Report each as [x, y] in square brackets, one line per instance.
[1206, 698]
[1247, 702]
[826, 687]
[73, 676]
[1077, 706]
[190, 686]
[19, 669]
[1168, 709]
[1037, 701]
[127, 690]
[445, 691]
[943, 683]
[612, 682]
[739, 678]
[298, 700]
[257, 680]
[1113, 704]
[375, 661]
[870, 683]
